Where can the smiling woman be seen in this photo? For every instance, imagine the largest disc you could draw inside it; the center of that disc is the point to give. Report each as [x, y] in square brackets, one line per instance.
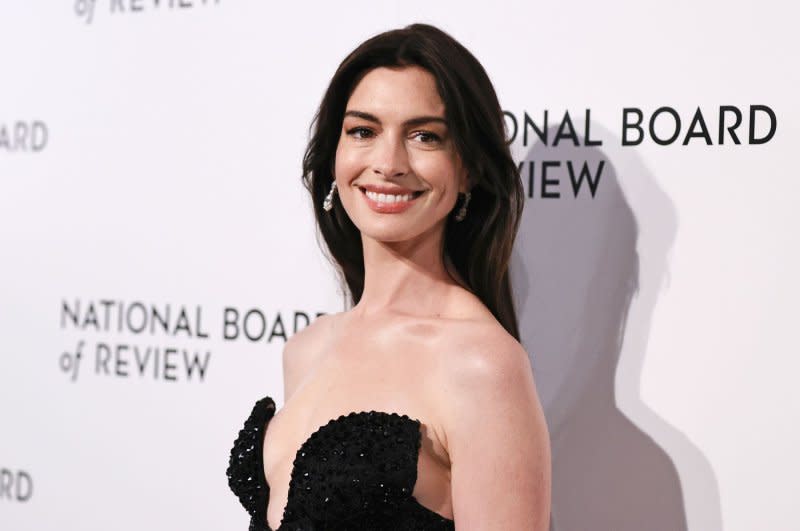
[416, 407]
[403, 140]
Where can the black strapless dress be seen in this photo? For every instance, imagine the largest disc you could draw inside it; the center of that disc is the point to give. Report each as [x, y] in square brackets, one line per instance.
[356, 472]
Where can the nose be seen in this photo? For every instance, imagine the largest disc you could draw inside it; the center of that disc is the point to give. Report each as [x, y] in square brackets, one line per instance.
[390, 157]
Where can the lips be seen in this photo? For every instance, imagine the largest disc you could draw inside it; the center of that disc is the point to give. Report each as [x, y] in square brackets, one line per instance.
[386, 200]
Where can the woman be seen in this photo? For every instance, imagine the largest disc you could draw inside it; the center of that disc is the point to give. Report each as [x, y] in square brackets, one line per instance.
[416, 408]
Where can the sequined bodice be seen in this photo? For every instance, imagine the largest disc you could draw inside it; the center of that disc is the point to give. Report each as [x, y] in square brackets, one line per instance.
[356, 472]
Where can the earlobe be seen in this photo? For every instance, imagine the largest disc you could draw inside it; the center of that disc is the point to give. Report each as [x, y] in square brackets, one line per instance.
[466, 184]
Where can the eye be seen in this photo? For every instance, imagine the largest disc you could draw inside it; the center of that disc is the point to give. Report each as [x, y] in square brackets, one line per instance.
[427, 137]
[360, 132]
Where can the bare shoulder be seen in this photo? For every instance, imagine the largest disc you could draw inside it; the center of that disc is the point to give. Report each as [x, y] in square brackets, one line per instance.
[313, 333]
[482, 356]
[302, 350]
[486, 359]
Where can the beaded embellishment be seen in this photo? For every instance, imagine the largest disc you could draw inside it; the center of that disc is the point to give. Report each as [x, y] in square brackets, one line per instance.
[357, 471]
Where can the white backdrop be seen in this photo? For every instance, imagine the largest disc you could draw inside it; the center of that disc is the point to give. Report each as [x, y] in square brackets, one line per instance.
[150, 169]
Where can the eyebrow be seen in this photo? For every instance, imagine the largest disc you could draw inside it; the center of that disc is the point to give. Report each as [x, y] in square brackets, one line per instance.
[419, 120]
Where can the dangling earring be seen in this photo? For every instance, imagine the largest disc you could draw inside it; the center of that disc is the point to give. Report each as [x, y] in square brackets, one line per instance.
[462, 212]
[328, 203]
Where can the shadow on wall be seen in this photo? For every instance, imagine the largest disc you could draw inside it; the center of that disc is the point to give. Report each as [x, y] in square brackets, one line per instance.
[575, 271]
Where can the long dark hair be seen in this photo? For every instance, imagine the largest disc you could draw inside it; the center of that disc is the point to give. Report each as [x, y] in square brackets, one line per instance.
[479, 247]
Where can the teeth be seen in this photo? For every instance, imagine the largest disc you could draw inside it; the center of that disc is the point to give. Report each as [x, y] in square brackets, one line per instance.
[388, 198]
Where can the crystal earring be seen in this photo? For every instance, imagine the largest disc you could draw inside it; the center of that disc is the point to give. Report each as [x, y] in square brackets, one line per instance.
[462, 212]
[328, 203]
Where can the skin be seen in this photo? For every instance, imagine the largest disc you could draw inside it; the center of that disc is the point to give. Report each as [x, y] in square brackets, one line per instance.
[417, 343]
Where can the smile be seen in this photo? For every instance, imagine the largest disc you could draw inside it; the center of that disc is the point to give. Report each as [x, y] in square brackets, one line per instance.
[388, 198]
[388, 203]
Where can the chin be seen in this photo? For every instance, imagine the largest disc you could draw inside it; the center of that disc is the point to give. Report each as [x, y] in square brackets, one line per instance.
[389, 234]
[391, 230]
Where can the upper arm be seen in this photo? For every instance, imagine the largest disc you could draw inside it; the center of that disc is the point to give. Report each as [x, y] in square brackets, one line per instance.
[300, 353]
[498, 441]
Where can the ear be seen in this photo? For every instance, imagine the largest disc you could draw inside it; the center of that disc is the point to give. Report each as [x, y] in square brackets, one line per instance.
[465, 183]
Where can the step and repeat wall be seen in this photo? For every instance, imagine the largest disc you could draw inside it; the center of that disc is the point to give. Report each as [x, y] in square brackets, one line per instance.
[158, 249]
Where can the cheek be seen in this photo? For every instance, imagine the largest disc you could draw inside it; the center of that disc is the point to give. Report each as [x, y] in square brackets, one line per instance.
[440, 172]
[347, 165]
[346, 168]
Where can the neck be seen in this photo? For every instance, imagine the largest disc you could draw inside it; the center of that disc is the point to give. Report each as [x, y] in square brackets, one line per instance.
[408, 277]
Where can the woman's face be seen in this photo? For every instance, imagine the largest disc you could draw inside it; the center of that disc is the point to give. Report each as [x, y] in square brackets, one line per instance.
[397, 171]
